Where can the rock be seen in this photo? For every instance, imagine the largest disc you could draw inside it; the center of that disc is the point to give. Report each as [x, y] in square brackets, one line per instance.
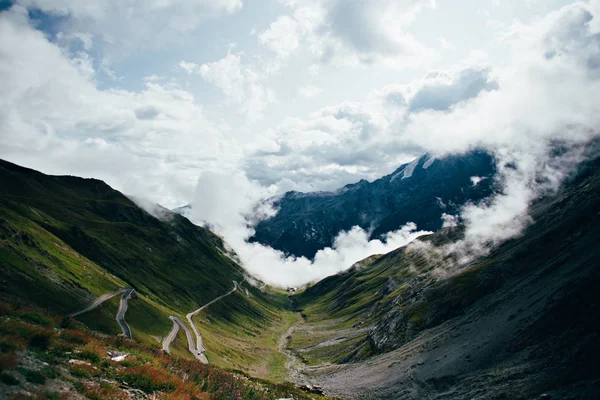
[79, 362]
[391, 332]
[118, 357]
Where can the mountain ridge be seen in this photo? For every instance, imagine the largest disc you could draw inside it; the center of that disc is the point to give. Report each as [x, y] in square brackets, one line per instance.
[418, 192]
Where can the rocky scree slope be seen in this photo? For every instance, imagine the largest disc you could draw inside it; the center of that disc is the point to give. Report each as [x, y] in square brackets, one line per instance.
[518, 323]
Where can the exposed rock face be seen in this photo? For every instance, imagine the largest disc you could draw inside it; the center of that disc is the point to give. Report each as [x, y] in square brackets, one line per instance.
[391, 332]
[418, 192]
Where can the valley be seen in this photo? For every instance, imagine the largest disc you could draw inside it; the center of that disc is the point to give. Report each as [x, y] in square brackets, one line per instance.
[516, 322]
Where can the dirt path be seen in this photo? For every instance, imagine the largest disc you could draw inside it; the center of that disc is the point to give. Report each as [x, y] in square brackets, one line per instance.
[293, 364]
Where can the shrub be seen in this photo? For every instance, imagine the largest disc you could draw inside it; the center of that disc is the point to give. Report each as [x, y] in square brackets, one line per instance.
[8, 379]
[41, 340]
[48, 395]
[32, 376]
[67, 323]
[6, 347]
[150, 379]
[101, 391]
[84, 371]
[73, 336]
[93, 352]
[50, 372]
[35, 319]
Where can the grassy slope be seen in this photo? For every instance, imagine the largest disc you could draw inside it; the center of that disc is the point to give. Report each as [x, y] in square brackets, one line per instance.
[66, 240]
[47, 356]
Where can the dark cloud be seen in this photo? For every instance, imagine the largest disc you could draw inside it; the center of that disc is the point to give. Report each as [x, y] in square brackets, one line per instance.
[441, 94]
[147, 112]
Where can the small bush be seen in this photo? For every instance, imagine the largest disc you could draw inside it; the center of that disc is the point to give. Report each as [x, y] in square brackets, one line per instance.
[6, 347]
[150, 379]
[101, 391]
[5, 309]
[50, 372]
[8, 379]
[48, 395]
[40, 341]
[35, 319]
[73, 336]
[93, 352]
[84, 371]
[32, 376]
[67, 323]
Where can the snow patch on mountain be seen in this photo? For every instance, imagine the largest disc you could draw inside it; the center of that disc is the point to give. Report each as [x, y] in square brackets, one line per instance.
[429, 162]
[410, 168]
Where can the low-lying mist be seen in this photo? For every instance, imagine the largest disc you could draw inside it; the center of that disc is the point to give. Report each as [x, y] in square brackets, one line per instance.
[231, 204]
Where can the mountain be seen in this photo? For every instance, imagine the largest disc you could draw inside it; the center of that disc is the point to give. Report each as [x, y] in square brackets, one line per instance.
[519, 323]
[65, 241]
[418, 192]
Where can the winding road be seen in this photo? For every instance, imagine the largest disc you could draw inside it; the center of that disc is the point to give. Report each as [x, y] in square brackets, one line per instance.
[177, 323]
[99, 300]
[120, 317]
[194, 346]
[121, 313]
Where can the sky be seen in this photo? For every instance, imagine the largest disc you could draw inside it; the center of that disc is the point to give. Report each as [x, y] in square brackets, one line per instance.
[197, 101]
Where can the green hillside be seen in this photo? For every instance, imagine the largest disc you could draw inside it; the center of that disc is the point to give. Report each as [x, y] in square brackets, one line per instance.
[66, 240]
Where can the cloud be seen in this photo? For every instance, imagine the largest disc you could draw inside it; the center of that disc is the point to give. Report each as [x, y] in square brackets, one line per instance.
[122, 27]
[351, 32]
[53, 117]
[283, 36]
[309, 91]
[341, 144]
[240, 84]
[232, 217]
[441, 90]
[544, 100]
[537, 124]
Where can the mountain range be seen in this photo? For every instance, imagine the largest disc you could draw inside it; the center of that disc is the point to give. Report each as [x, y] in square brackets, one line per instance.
[419, 192]
[518, 321]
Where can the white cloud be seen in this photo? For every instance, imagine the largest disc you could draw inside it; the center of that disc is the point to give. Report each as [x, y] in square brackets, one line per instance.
[240, 84]
[53, 117]
[360, 140]
[446, 45]
[230, 216]
[352, 32]
[154, 141]
[283, 36]
[545, 99]
[309, 91]
[125, 26]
